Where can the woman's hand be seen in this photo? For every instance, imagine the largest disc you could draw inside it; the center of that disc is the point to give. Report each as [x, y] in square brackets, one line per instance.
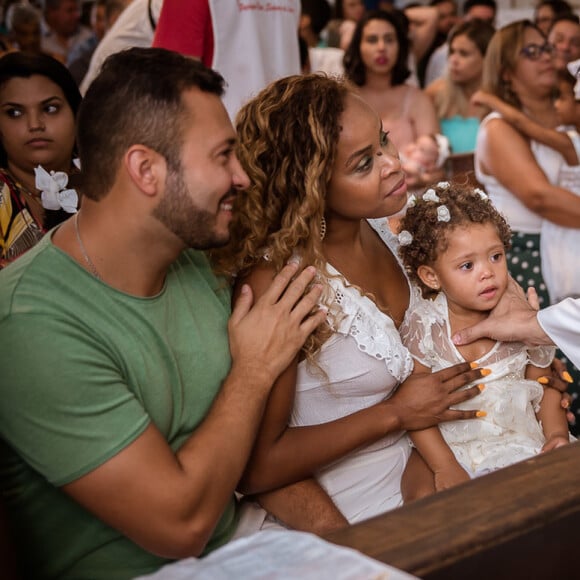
[424, 399]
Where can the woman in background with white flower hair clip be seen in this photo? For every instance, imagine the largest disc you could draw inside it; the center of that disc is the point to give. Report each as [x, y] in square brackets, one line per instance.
[453, 245]
[38, 104]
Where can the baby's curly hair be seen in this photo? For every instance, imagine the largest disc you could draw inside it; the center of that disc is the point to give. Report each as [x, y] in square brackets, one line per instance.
[287, 143]
[430, 234]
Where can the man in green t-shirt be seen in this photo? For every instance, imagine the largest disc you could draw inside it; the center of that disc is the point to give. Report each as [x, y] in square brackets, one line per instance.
[131, 395]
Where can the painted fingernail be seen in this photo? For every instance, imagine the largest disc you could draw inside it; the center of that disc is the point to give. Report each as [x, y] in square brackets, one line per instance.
[485, 372]
[565, 404]
[567, 377]
[481, 387]
[481, 414]
[473, 365]
[543, 380]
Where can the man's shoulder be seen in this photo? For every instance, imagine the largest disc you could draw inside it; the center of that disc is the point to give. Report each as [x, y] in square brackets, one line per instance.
[27, 279]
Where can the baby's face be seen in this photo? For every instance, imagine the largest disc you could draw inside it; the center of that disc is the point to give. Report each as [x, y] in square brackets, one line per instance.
[472, 271]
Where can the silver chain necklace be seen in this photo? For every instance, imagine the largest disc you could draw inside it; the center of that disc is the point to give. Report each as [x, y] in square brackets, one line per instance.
[92, 268]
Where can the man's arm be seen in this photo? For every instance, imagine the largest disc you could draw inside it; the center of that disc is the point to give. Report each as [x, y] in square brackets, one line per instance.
[304, 506]
[169, 503]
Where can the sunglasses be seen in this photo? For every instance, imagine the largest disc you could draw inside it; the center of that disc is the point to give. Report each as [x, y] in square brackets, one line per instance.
[535, 51]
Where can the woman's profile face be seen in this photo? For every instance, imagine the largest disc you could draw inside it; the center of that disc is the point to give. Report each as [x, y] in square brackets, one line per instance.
[367, 179]
[379, 47]
[465, 61]
[37, 125]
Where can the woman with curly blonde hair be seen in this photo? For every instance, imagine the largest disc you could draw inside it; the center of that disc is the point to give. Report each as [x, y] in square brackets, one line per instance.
[324, 176]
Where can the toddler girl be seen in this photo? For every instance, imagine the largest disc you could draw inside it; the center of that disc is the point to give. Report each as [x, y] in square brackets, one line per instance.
[453, 244]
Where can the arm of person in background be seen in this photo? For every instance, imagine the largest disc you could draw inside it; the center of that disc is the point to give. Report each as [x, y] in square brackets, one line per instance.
[557, 140]
[185, 491]
[422, 28]
[424, 120]
[505, 153]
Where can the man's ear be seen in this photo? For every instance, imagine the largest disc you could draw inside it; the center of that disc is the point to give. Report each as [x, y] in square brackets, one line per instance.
[429, 277]
[146, 168]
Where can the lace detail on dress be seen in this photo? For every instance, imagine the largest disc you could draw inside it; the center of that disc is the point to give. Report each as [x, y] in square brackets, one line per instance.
[374, 332]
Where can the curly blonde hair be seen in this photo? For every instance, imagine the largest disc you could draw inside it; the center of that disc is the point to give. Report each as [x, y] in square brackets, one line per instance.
[430, 234]
[288, 137]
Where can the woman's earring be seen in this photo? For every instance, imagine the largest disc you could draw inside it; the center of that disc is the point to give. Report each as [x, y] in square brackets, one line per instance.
[322, 228]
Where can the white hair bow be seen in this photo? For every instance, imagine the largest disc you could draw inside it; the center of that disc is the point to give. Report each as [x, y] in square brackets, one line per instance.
[53, 193]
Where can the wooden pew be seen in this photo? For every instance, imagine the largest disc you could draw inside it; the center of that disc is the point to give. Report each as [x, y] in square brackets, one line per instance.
[522, 522]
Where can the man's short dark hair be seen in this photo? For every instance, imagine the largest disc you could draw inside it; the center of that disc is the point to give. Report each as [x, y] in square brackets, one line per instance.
[136, 99]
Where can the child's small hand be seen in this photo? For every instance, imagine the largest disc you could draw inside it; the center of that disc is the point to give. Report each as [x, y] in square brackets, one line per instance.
[450, 476]
[482, 98]
[555, 441]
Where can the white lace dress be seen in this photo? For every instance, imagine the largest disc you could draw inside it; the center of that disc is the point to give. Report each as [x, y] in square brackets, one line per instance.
[510, 432]
[364, 360]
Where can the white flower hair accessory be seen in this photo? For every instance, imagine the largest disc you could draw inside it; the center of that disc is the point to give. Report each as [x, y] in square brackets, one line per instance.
[411, 201]
[53, 193]
[443, 214]
[430, 195]
[481, 193]
[443, 185]
[405, 238]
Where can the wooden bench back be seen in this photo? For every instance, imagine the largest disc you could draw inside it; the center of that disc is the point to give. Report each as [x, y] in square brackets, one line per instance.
[519, 522]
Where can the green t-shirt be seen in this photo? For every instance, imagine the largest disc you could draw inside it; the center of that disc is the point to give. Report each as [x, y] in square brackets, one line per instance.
[84, 369]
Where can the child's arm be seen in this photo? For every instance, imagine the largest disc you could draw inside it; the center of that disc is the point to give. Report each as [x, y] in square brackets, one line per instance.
[551, 414]
[436, 453]
[555, 139]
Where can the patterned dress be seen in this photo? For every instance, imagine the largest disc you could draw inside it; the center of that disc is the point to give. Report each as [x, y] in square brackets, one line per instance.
[19, 229]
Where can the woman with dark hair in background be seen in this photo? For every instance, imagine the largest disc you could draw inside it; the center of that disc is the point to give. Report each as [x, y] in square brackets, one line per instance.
[38, 104]
[376, 62]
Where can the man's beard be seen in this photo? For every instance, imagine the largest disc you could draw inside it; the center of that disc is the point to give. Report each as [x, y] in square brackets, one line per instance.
[177, 211]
